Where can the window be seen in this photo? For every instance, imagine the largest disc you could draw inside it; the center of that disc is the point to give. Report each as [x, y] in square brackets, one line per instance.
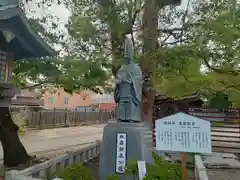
[50, 100]
[65, 100]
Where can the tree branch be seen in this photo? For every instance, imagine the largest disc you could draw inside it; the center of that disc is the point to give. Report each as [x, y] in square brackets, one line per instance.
[176, 42]
[220, 71]
[132, 19]
[172, 30]
[36, 85]
[237, 87]
[165, 39]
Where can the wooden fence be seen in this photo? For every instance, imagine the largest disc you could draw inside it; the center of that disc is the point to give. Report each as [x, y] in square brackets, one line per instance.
[45, 119]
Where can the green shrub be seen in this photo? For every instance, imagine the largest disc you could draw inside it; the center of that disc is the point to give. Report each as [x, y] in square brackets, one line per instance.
[114, 177]
[20, 118]
[75, 172]
[160, 170]
[163, 170]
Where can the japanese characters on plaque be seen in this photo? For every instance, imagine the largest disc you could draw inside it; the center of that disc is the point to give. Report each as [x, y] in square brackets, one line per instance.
[121, 152]
[141, 169]
[184, 133]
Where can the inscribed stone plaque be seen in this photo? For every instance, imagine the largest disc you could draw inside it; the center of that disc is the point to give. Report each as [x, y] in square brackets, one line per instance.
[121, 152]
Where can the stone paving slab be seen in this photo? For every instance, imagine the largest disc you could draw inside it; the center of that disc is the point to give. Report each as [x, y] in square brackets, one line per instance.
[223, 155]
[223, 174]
[221, 160]
[222, 166]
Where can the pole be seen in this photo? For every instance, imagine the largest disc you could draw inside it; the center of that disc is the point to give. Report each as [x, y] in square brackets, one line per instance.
[85, 116]
[65, 117]
[40, 120]
[54, 114]
[184, 165]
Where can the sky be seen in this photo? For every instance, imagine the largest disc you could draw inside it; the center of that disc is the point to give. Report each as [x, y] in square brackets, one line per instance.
[62, 13]
[59, 11]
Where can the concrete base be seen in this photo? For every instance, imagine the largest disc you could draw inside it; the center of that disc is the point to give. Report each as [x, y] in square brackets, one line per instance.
[138, 146]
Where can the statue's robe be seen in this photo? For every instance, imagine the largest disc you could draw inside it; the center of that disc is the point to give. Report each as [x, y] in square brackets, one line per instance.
[128, 92]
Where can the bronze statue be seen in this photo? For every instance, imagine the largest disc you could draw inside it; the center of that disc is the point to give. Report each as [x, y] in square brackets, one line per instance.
[128, 91]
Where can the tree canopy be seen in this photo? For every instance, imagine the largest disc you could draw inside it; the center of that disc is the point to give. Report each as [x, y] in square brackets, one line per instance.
[208, 61]
[197, 47]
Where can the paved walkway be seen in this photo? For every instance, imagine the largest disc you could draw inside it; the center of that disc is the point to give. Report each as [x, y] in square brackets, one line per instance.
[50, 139]
[222, 166]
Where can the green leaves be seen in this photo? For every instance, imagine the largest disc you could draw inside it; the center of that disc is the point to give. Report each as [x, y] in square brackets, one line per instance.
[81, 28]
[77, 172]
[160, 170]
[204, 58]
[208, 61]
[68, 72]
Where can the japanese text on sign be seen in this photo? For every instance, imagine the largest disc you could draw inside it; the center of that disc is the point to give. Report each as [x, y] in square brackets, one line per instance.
[141, 169]
[121, 152]
[184, 133]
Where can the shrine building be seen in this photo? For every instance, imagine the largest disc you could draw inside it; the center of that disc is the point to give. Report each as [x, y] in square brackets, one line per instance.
[17, 41]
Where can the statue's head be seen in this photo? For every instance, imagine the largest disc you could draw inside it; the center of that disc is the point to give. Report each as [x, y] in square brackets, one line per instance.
[128, 51]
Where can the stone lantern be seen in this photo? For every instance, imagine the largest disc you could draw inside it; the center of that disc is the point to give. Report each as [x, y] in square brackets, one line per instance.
[17, 41]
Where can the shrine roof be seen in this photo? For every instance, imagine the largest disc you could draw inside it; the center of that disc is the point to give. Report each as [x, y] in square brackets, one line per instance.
[160, 99]
[26, 43]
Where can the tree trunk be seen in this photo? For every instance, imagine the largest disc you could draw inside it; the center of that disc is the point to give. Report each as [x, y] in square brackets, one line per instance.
[150, 45]
[14, 152]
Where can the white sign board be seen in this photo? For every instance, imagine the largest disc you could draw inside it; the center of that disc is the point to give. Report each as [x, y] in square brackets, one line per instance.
[183, 133]
[141, 169]
[121, 152]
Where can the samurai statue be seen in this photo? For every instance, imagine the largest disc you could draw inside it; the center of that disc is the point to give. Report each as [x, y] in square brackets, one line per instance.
[128, 91]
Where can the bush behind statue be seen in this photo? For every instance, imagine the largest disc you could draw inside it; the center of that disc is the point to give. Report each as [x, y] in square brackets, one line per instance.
[20, 119]
[75, 172]
[160, 170]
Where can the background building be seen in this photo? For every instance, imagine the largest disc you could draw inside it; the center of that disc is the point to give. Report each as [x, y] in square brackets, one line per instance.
[103, 101]
[86, 98]
[60, 99]
[27, 98]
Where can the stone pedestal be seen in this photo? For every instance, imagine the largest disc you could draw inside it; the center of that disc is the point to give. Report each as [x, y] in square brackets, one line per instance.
[138, 146]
